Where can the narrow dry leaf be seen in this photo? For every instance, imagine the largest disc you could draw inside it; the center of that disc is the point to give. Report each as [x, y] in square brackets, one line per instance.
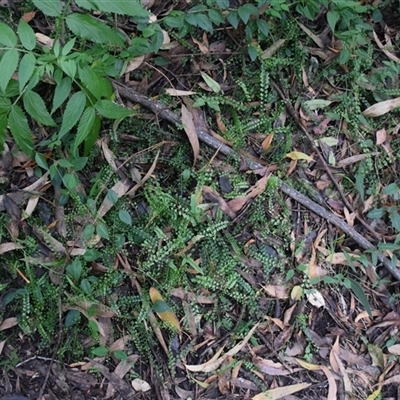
[176, 92]
[270, 367]
[216, 361]
[335, 350]
[146, 177]
[395, 349]
[120, 188]
[273, 49]
[210, 365]
[313, 36]
[307, 365]
[9, 246]
[386, 51]
[2, 343]
[220, 124]
[266, 143]
[279, 393]
[346, 380]
[381, 136]
[190, 129]
[257, 189]
[8, 323]
[202, 46]
[30, 207]
[276, 291]
[332, 392]
[298, 155]
[44, 40]
[134, 64]
[382, 108]
[160, 305]
[28, 17]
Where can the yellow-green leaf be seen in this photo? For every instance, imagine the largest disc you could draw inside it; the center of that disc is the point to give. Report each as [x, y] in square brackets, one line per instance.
[163, 310]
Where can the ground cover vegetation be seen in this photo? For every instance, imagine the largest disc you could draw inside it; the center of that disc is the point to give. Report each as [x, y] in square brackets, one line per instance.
[199, 199]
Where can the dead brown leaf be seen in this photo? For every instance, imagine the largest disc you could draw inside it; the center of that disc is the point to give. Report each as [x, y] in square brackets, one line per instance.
[190, 129]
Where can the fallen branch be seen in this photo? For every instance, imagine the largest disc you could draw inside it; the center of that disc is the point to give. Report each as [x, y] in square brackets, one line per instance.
[166, 114]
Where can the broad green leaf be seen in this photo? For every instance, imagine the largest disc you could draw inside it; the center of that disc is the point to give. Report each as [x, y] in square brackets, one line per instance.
[74, 270]
[20, 130]
[100, 351]
[5, 105]
[25, 69]
[26, 35]
[333, 17]
[91, 255]
[71, 318]
[203, 22]
[64, 163]
[112, 196]
[376, 213]
[246, 11]
[102, 231]
[89, 28]
[86, 286]
[61, 93]
[85, 126]
[395, 220]
[213, 85]
[35, 107]
[79, 163]
[111, 110]
[71, 181]
[41, 161]
[392, 190]
[262, 27]
[233, 18]
[68, 46]
[86, 4]
[125, 217]
[7, 36]
[120, 355]
[93, 135]
[69, 67]
[88, 232]
[174, 22]
[73, 112]
[215, 16]
[357, 289]
[132, 8]
[99, 86]
[51, 8]
[160, 306]
[8, 65]
[3, 130]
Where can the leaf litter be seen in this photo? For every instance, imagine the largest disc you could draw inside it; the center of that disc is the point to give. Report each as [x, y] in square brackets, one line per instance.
[283, 342]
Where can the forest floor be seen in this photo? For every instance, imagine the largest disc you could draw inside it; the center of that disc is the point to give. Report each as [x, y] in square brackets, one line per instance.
[211, 211]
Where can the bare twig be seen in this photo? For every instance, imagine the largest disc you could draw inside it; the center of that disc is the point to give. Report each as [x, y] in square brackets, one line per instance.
[206, 138]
